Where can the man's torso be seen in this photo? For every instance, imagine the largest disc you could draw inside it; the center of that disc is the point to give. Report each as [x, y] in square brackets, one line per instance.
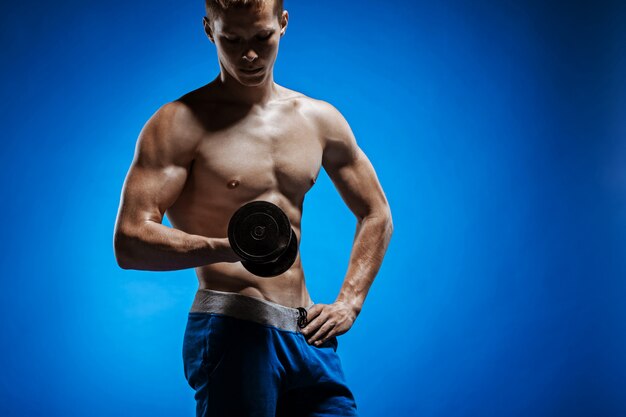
[271, 153]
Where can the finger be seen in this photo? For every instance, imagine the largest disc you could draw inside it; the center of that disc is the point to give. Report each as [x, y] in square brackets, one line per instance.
[323, 339]
[322, 334]
[314, 311]
[313, 325]
[311, 315]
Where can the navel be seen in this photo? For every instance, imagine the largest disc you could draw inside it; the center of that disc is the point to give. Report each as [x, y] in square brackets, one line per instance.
[233, 184]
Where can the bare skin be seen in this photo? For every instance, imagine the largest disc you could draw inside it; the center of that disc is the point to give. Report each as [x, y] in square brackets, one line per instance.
[241, 138]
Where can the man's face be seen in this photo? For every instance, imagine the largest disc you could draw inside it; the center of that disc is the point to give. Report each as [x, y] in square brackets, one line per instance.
[247, 41]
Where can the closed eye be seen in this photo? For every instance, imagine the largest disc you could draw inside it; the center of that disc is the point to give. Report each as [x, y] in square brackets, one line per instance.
[266, 37]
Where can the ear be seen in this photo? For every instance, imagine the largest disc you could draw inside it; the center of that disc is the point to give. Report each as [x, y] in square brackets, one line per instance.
[207, 28]
[284, 19]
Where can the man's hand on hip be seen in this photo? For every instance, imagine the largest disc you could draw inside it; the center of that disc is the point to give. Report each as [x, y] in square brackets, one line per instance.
[328, 320]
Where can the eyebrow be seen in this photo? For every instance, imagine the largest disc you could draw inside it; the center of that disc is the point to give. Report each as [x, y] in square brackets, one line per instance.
[229, 30]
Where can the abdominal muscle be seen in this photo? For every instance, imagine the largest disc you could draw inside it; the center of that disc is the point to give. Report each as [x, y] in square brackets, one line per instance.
[288, 289]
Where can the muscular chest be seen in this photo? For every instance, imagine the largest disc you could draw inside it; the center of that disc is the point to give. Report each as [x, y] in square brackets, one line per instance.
[260, 153]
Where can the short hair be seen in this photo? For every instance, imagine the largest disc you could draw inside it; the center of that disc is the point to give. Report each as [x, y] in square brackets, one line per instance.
[214, 7]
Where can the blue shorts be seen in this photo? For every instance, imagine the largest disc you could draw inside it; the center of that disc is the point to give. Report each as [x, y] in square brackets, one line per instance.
[245, 356]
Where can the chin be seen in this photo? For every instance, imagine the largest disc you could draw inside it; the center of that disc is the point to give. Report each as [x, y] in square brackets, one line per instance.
[251, 82]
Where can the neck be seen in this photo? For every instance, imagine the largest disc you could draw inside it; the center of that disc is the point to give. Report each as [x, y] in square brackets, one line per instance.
[251, 95]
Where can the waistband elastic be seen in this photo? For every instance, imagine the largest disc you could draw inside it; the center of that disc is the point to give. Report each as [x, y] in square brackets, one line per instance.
[249, 308]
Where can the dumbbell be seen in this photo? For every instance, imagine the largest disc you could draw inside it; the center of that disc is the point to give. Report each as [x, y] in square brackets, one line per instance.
[260, 233]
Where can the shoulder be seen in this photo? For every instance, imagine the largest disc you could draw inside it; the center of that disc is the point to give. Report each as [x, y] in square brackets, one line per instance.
[172, 118]
[319, 111]
[339, 144]
[187, 115]
[328, 120]
[171, 134]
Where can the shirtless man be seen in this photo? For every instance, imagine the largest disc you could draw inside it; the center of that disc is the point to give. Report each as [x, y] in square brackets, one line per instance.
[252, 346]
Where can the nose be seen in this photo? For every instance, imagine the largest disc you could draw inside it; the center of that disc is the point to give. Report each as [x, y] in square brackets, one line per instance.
[250, 55]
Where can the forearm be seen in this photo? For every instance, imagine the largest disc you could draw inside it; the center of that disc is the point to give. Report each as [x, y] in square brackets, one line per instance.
[155, 247]
[371, 240]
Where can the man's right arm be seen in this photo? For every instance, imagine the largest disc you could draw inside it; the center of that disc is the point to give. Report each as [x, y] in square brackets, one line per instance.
[165, 150]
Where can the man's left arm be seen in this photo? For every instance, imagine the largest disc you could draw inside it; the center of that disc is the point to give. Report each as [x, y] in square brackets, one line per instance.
[354, 177]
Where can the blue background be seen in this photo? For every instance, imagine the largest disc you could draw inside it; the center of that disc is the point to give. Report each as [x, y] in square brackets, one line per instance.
[497, 129]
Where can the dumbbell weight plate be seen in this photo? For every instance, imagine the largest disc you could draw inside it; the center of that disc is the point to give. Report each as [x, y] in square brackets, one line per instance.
[277, 266]
[259, 232]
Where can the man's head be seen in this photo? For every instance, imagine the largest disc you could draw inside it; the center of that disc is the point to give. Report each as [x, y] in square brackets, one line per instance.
[246, 34]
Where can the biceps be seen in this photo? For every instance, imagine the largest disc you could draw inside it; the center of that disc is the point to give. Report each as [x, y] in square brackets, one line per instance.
[149, 192]
[358, 186]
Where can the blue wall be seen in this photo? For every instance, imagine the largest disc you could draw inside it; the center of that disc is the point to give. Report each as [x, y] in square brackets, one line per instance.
[497, 129]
